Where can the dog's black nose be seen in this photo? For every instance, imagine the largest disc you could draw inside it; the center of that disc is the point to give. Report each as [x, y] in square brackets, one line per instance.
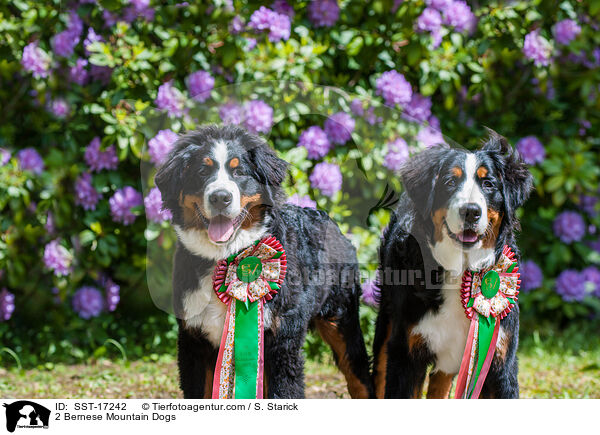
[470, 213]
[220, 199]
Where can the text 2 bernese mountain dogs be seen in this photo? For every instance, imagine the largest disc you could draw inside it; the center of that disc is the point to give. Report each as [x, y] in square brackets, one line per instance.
[457, 212]
[222, 186]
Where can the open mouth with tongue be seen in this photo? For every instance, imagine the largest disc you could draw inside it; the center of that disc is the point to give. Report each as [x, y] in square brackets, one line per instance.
[467, 237]
[221, 228]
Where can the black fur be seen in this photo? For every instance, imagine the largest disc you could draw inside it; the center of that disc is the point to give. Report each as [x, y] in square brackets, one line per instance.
[410, 278]
[321, 284]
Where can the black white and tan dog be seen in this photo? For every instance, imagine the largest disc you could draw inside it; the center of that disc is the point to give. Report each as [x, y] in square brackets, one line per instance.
[457, 213]
[223, 187]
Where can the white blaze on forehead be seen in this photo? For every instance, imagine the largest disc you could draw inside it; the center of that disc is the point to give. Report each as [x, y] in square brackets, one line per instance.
[223, 181]
[468, 192]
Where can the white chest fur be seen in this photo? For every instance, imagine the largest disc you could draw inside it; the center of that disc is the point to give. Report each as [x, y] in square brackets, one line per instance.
[445, 331]
[204, 311]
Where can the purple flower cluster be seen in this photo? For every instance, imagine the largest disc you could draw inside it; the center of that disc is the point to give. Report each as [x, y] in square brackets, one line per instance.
[153, 204]
[171, 99]
[531, 276]
[30, 160]
[91, 37]
[418, 109]
[588, 204]
[258, 116]
[570, 285]
[122, 202]
[531, 150]
[537, 48]
[339, 128]
[78, 73]
[565, 31]
[64, 42]
[429, 136]
[302, 201]
[458, 14]
[397, 154]
[4, 156]
[236, 25]
[97, 159]
[7, 305]
[370, 293]
[357, 108]
[283, 7]
[569, 227]
[315, 140]
[278, 25]
[591, 278]
[199, 85]
[85, 194]
[323, 13]
[454, 13]
[57, 258]
[430, 20]
[440, 5]
[394, 88]
[113, 294]
[59, 108]
[138, 8]
[160, 146]
[326, 177]
[231, 113]
[36, 60]
[88, 302]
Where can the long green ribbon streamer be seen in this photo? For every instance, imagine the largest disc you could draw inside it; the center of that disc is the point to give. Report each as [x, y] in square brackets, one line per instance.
[245, 353]
[486, 332]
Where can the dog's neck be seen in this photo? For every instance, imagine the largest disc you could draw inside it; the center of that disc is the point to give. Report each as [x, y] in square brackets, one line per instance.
[456, 260]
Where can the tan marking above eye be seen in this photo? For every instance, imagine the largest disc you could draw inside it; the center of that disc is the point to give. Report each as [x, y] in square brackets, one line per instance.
[457, 172]
[208, 161]
[234, 163]
[482, 172]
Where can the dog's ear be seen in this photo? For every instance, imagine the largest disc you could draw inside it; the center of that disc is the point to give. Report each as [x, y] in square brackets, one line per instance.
[269, 170]
[419, 176]
[517, 182]
[169, 180]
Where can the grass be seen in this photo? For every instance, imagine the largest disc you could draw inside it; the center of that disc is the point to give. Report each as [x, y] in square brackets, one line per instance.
[547, 370]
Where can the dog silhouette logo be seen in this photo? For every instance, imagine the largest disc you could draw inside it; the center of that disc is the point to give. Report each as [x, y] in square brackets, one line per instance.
[26, 415]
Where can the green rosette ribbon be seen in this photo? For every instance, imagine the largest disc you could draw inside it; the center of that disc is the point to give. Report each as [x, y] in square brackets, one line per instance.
[244, 282]
[487, 296]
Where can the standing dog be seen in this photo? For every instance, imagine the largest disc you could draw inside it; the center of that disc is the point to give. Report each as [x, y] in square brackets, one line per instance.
[457, 213]
[223, 187]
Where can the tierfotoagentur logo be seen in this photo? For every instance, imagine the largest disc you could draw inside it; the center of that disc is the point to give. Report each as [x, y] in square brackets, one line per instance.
[25, 414]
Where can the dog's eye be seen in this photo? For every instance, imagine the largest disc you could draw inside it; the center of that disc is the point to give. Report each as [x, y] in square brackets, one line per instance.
[451, 182]
[487, 184]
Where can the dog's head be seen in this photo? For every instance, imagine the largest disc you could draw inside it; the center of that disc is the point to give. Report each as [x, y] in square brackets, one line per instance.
[218, 182]
[467, 200]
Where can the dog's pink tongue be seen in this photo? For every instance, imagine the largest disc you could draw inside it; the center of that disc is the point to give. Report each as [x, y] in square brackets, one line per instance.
[220, 229]
[468, 236]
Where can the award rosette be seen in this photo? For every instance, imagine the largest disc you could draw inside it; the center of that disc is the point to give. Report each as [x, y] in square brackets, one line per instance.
[244, 282]
[487, 296]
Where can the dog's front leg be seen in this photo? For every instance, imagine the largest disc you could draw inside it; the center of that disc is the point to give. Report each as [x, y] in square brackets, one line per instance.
[284, 364]
[196, 358]
[406, 367]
